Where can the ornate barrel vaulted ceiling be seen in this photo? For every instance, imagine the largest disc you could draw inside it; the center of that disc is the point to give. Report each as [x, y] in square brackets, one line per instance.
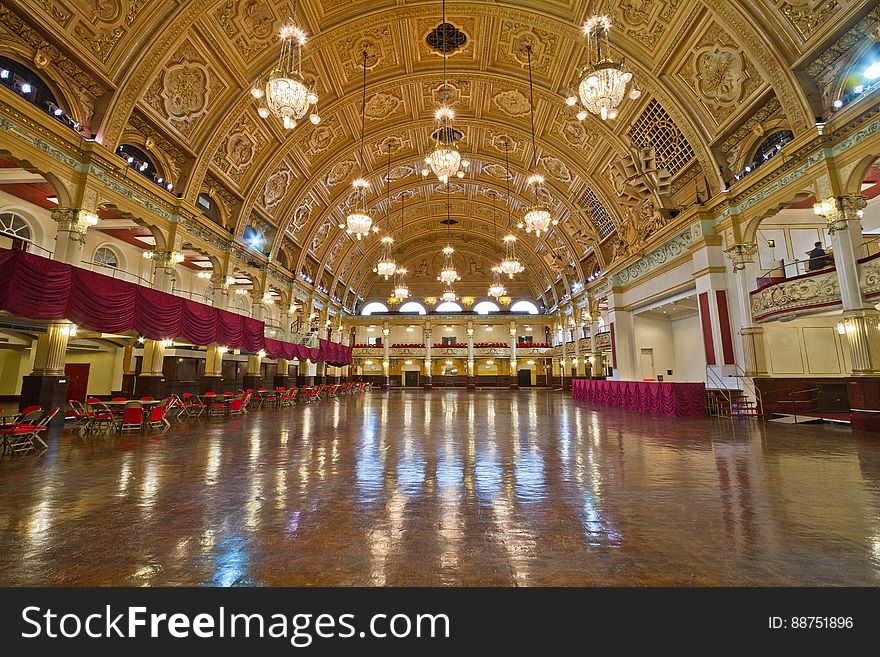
[174, 77]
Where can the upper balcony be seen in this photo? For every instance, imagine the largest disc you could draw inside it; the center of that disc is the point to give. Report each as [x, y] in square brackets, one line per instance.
[814, 292]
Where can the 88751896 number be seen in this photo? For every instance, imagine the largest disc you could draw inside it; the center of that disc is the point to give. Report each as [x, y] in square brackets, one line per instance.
[820, 622]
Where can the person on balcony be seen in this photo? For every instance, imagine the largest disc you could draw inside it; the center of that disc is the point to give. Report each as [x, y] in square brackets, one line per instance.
[818, 258]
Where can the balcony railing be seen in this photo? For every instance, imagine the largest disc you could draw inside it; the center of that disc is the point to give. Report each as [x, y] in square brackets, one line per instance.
[813, 292]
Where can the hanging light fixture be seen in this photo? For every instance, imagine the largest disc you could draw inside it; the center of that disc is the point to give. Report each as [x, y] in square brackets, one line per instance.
[287, 94]
[445, 159]
[496, 288]
[358, 222]
[603, 81]
[510, 265]
[401, 291]
[537, 218]
[449, 293]
[448, 274]
[386, 265]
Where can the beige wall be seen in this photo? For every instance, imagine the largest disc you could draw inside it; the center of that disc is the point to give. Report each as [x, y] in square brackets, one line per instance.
[14, 364]
[690, 356]
[808, 346]
[105, 369]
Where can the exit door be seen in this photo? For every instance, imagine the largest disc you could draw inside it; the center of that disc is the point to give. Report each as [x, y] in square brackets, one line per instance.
[647, 359]
[524, 378]
[77, 380]
[411, 379]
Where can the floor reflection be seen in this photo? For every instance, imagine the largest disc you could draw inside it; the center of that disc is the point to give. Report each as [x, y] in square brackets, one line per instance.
[487, 488]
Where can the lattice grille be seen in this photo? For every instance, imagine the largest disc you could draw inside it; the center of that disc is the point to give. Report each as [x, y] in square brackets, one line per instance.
[601, 219]
[655, 129]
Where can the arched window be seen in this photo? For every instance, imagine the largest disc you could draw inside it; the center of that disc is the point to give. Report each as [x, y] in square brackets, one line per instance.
[209, 208]
[413, 307]
[281, 258]
[143, 164]
[524, 307]
[374, 307]
[254, 238]
[32, 88]
[448, 307]
[770, 145]
[14, 226]
[486, 307]
[105, 256]
[601, 324]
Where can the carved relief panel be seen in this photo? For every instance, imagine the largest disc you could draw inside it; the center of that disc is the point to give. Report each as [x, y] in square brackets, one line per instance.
[185, 87]
[243, 146]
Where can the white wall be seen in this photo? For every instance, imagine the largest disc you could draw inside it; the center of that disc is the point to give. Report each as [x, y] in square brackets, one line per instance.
[654, 334]
[690, 356]
[809, 346]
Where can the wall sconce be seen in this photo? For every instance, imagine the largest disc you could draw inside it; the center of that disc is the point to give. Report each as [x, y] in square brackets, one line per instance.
[490, 362]
[771, 244]
[368, 362]
[223, 350]
[513, 332]
[86, 218]
[204, 275]
[407, 362]
[261, 353]
[69, 330]
[449, 362]
[167, 343]
[530, 362]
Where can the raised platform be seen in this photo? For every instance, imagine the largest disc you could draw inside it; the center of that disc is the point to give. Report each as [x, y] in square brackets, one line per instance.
[649, 397]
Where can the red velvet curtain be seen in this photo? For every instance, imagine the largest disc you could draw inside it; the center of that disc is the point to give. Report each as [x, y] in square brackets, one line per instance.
[38, 288]
[650, 397]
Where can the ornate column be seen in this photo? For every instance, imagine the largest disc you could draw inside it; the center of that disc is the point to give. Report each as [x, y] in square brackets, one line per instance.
[305, 375]
[254, 377]
[623, 340]
[386, 358]
[514, 380]
[843, 214]
[429, 384]
[742, 257]
[220, 285]
[164, 272]
[471, 381]
[281, 373]
[151, 380]
[73, 224]
[212, 381]
[564, 362]
[597, 358]
[46, 385]
[578, 331]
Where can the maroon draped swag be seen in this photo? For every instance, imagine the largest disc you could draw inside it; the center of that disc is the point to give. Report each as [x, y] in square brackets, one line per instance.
[650, 397]
[38, 288]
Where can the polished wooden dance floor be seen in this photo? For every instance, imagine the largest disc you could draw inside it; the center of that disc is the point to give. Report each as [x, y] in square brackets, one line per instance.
[457, 488]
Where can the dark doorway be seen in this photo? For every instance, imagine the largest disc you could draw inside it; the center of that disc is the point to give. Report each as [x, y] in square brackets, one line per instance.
[77, 380]
[411, 379]
[524, 378]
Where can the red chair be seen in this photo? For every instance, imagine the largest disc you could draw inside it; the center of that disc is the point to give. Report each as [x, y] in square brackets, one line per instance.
[80, 414]
[23, 436]
[132, 417]
[236, 406]
[159, 415]
[119, 399]
[213, 407]
[102, 415]
[143, 399]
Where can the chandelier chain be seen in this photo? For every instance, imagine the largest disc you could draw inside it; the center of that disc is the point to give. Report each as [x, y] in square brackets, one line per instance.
[363, 112]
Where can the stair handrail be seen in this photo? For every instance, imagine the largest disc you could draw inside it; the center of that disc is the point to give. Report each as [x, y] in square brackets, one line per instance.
[749, 387]
[718, 385]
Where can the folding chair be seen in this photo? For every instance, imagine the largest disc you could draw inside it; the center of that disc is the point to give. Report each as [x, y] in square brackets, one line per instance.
[159, 415]
[132, 416]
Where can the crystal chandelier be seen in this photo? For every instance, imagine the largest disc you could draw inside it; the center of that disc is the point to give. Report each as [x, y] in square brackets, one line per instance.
[448, 274]
[496, 288]
[386, 265]
[401, 291]
[603, 81]
[287, 94]
[510, 265]
[449, 293]
[445, 159]
[537, 218]
[358, 222]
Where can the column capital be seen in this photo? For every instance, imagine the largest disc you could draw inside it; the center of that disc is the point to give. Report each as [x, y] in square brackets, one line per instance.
[166, 260]
[76, 221]
[742, 254]
[838, 210]
[222, 281]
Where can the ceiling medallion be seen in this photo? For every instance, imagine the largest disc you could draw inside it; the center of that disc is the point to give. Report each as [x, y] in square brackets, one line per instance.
[358, 222]
[445, 159]
[288, 96]
[603, 81]
[446, 38]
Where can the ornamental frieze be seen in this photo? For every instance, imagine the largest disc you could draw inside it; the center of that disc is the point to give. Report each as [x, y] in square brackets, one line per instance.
[800, 295]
